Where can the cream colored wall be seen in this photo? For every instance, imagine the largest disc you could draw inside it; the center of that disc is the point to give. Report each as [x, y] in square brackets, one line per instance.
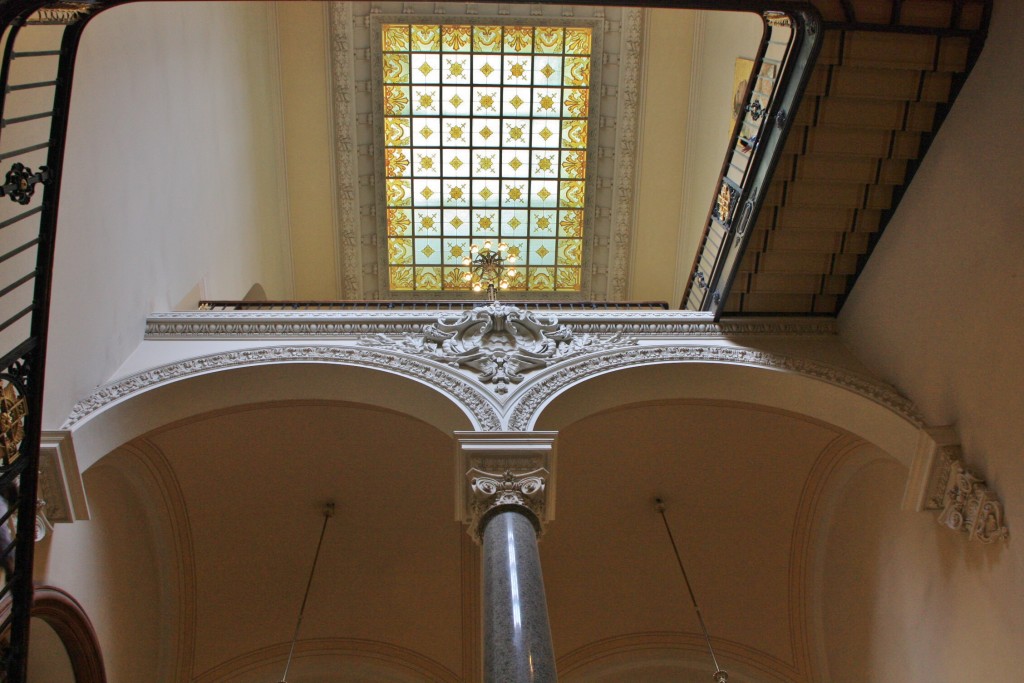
[172, 178]
[689, 57]
[302, 32]
[668, 54]
[938, 312]
[109, 565]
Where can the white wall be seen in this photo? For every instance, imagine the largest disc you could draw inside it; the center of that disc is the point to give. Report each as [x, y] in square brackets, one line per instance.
[172, 178]
[939, 312]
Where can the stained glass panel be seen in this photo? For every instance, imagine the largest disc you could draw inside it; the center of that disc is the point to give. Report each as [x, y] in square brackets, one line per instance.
[485, 135]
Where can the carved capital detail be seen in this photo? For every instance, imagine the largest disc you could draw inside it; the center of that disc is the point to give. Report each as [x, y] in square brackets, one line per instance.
[504, 470]
[940, 480]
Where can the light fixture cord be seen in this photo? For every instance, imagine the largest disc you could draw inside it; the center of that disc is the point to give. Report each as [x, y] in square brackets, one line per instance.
[328, 513]
[719, 674]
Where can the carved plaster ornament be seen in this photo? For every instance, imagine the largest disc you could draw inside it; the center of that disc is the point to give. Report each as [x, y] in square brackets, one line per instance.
[940, 480]
[489, 491]
[971, 507]
[499, 342]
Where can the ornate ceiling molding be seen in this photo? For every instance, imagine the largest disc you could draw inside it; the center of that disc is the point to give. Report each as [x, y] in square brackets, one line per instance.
[528, 404]
[341, 324]
[477, 403]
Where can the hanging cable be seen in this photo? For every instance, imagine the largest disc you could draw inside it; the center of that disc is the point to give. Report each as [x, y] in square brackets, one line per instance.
[720, 676]
[328, 513]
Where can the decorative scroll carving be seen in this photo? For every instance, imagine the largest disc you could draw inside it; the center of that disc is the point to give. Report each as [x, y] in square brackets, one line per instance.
[498, 341]
[489, 491]
[971, 507]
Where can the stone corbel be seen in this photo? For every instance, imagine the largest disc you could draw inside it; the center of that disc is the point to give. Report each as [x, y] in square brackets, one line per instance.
[502, 470]
[940, 480]
[61, 495]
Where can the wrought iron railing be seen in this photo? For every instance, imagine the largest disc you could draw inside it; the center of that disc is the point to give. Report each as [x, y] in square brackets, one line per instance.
[38, 45]
[427, 305]
[789, 47]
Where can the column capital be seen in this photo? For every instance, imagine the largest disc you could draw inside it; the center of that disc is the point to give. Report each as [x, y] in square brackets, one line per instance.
[504, 470]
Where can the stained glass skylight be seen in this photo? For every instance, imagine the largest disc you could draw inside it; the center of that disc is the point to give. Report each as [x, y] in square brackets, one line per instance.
[485, 138]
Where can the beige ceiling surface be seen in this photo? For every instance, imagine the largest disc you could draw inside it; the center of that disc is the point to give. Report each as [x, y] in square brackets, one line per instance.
[394, 568]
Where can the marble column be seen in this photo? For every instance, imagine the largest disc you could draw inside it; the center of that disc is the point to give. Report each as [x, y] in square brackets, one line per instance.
[517, 638]
[505, 495]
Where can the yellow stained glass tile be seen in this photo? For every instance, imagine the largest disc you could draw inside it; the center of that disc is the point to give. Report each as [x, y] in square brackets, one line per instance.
[577, 41]
[518, 39]
[574, 133]
[456, 38]
[568, 279]
[541, 279]
[400, 278]
[571, 224]
[396, 131]
[428, 278]
[395, 37]
[399, 192]
[574, 165]
[570, 252]
[548, 40]
[426, 162]
[571, 193]
[425, 38]
[577, 103]
[454, 278]
[396, 68]
[396, 100]
[396, 163]
[400, 251]
[486, 39]
[577, 72]
[518, 281]
[399, 221]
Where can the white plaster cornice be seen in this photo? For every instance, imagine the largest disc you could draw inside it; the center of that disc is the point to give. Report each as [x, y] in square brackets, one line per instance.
[341, 324]
[433, 374]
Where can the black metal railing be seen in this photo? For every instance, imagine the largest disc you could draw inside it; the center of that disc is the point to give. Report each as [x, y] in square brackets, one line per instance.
[789, 47]
[397, 305]
[38, 45]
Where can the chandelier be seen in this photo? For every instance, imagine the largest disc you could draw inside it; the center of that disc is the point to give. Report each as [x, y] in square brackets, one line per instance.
[487, 267]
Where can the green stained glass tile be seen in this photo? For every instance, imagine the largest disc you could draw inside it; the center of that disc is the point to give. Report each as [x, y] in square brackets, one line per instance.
[456, 38]
[548, 39]
[486, 39]
[577, 72]
[574, 133]
[541, 279]
[570, 223]
[518, 39]
[398, 192]
[396, 68]
[396, 131]
[542, 252]
[425, 38]
[570, 252]
[399, 221]
[571, 194]
[427, 251]
[400, 250]
[396, 100]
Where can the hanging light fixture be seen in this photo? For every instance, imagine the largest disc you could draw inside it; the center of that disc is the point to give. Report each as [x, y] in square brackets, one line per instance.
[328, 513]
[487, 268]
[720, 676]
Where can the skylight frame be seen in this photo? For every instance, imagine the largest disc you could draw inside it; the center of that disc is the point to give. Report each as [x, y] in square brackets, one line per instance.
[597, 27]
